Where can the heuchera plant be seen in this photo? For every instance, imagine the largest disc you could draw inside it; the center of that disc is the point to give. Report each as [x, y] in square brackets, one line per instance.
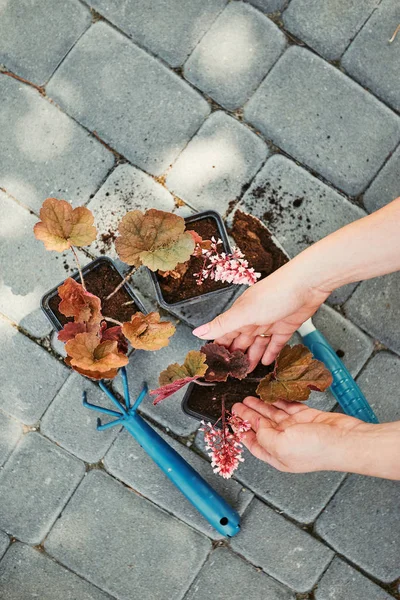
[295, 374]
[93, 348]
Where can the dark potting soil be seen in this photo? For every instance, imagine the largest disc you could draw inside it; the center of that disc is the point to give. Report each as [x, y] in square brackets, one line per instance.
[255, 241]
[183, 288]
[207, 400]
[101, 281]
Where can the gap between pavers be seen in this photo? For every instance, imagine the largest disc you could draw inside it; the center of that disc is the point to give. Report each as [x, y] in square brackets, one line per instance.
[10, 433]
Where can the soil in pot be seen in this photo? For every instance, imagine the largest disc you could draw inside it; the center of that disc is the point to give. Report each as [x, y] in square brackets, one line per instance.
[101, 281]
[185, 287]
[207, 400]
[255, 241]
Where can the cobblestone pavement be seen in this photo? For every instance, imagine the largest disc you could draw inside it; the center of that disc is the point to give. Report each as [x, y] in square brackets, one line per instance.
[188, 105]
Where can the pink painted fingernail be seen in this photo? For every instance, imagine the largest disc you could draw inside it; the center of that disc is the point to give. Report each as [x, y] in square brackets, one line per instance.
[202, 330]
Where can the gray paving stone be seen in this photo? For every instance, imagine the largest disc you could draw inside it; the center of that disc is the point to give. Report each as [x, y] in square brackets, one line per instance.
[35, 484]
[222, 158]
[342, 581]
[322, 118]
[146, 366]
[30, 376]
[43, 152]
[28, 269]
[269, 6]
[225, 575]
[10, 432]
[127, 188]
[4, 542]
[372, 60]
[380, 381]
[280, 548]
[26, 573]
[375, 306]
[385, 186]
[36, 35]
[328, 27]
[235, 54]
[148, 123]
[153, 555]
[361, 522]
[298, 208]
[128, 461]
[169, 29]
[72, 426]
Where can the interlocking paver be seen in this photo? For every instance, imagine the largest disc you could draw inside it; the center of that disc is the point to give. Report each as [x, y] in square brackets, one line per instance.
[128, 461]
[73, 426]
[222, 158]
[37, 34]
[380, 381]
[235, 54]
[269, 6]
[154, 556]
[298, 208]
[225, 575]
[169, 29]
[35, 484]
[372, 60]
[280, 548]
[4, 542]
[148, 123]
[342, 581]
[28, 270]
[385, 186]
[43, 152]
[300, 496]
[328, 27]
[30, 376]
[10, 432]
[127, 188]
[361, 522]
[26, 573]
[375, 306]
[146, 366]
[322, 118]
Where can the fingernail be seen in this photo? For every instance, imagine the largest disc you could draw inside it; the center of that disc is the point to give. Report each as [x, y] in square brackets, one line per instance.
[202, 330]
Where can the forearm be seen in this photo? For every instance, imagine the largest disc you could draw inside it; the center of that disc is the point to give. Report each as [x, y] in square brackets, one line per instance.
[361, 250]
[371, 450]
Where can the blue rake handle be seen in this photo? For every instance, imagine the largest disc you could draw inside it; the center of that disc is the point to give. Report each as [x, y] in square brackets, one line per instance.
[203, 497]
[344, 388]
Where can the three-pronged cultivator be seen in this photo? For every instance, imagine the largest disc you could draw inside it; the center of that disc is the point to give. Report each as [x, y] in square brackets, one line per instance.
[213, 508]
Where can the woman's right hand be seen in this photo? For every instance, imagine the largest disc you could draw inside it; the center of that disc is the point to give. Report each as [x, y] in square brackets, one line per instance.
[276, 306]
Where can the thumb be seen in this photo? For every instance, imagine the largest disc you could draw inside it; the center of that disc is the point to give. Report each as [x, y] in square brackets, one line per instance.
[227, 322]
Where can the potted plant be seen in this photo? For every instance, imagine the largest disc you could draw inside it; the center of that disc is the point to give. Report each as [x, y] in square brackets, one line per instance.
[217, 378]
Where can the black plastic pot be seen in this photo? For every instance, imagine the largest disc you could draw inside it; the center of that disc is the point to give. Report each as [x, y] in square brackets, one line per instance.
[50, 314]
[222, 233]
[196, 415]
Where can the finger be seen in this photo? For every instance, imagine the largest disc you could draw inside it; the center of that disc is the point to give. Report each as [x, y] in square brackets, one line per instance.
[291, 407]
[256, 351]
[266, 410]
[229, 321]
[278, 340]
[227, 339]
[253, 445]
[247, 414]
[242, 342]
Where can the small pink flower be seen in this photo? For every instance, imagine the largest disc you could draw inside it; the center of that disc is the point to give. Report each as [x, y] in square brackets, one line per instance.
[228, 268]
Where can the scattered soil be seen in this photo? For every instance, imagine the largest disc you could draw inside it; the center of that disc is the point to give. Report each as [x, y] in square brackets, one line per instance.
[255, 241]
[101, 281]
[207, 400]
[176, 290]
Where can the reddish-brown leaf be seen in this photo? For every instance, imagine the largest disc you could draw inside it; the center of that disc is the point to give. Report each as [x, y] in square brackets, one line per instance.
[147, 332]
[78, 303]
[176, 376]
[70, 330]
[115, 333]
[222, 363]
[88, 353]
[296, 373]
[62, 226]
[96, 375]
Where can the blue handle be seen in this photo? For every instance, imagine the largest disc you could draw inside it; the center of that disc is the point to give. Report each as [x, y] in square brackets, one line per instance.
[344, 388]
[213, 508]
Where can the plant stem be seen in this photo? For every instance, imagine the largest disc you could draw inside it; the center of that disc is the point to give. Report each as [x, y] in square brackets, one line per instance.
[127, 303]
[205, 383]
[394, 34]
[119, 286]
[78, 264]
[110, 320]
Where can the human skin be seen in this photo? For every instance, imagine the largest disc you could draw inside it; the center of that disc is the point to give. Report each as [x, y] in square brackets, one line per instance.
[305, 439]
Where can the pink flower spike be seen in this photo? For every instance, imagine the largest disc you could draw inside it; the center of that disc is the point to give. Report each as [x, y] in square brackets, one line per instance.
[228, 268]
[224, 446]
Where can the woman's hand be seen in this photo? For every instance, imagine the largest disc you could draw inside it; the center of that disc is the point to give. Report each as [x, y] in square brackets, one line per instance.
[276, 306]
[297, 439]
